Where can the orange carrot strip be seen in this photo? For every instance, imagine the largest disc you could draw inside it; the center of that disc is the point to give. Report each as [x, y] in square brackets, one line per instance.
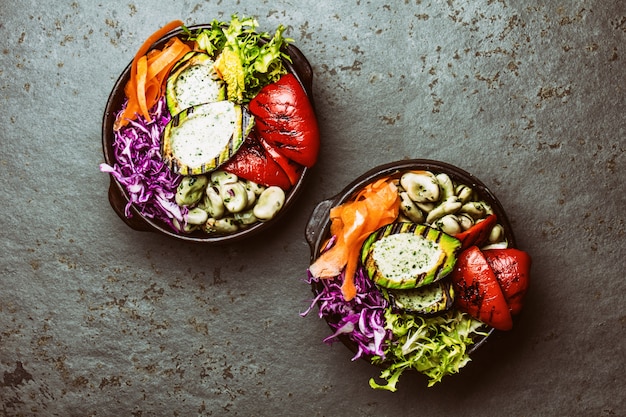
[382, 207]
[142, 74]
[161, 77]
[348, 288]
[152, 92]
[133, 100]
[131, 91]
[159, 65]
[145, 47]
[374, 206]
[160, 61]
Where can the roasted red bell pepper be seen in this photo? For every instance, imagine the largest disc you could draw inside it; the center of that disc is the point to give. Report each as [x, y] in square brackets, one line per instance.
[512, 270]
[285, 119]
[478, 234]
[477, 291]
[291, 169]
[253, 163]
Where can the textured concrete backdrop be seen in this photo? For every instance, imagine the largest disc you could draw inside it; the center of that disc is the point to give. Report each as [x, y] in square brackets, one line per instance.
[99, 320]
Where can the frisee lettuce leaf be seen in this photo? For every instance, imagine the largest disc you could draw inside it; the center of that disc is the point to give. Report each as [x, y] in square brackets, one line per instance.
[435, 346]
[247, 60]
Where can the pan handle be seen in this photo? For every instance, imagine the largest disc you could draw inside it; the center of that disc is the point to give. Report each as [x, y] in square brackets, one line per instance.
[315, 227]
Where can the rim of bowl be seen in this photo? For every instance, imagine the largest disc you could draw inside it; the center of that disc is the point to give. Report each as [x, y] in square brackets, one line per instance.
[118, 195]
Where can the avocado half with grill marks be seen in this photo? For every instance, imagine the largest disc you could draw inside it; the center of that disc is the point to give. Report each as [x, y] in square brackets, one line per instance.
[428, 299]
[193, 81]
[408, 255]
[201, 138]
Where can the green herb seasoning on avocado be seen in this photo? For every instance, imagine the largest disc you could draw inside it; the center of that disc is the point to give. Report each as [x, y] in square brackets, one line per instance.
[429, 299]
[401, 255]
[408, 255]
[193, 81]
[201, 138]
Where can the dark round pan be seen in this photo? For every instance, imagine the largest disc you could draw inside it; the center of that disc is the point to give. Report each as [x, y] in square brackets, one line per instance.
[118, 196]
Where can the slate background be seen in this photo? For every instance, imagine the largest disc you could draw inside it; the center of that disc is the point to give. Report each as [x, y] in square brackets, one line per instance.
[99, 320]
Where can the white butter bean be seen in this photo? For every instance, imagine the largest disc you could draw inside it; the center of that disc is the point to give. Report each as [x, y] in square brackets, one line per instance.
[197, 216]
[220, 178]
[449, 206]
[464, 193]
[269, 203]
[409, 209]
[213, 203]
[497, 234]
[476, 209]
[465, 220]
[422, 186]
[223, 225]
[190, 190]
[445, 186]
[234, 196]
[448, 224]
[245, 217]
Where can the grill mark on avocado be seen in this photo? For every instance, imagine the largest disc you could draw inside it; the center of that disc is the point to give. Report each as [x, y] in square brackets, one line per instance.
[445, 249]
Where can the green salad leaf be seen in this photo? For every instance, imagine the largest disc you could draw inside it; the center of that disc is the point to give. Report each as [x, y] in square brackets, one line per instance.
[247, 60]
[435, 346]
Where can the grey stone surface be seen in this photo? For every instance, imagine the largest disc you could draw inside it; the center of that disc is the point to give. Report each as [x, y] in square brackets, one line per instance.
[99, 320]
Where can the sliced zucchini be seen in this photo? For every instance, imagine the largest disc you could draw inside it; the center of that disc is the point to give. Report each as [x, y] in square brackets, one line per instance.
[429, 299]
[408, 255]
[193, 81]
[201, 138]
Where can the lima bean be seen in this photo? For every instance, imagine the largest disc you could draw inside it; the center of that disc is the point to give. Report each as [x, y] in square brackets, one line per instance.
[448, 224]
[269, 203]
[245, 217]
[449, 206]
[445, 185]
[197, 216]
[220, 177]
[223, 225]
[421, 186]
[190, 190]
[234, 196]
[409, 209]
[213, 203]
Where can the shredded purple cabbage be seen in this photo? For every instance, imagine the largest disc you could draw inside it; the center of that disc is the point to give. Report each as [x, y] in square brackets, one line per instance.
[361, 319]
[150, 184]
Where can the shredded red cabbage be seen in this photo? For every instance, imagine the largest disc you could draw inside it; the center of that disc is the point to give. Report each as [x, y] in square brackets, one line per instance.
[361, 320]
[150, 184]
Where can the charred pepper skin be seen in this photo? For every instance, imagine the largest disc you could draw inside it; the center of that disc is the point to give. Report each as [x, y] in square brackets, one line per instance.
[512, 270]
[478, 234]
[478, 292]
[285, 118]
[252, 162]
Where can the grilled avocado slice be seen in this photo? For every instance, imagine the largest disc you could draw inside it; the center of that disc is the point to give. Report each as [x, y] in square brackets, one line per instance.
[408, 255]
[201, 138]
[193, 81]
[428, 299]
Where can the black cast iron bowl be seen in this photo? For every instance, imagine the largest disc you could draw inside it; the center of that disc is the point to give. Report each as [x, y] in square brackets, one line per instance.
[318, 227]
[119, 197]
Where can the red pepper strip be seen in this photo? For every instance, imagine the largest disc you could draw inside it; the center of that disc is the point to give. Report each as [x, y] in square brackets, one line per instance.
[512, 270]
[478, 292]
[252, 162]
[478, 234]
[291, 169]
[285, 118]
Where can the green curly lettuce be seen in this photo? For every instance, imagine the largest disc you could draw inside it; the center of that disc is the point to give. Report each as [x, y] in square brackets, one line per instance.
[246, 60]
[435, 346]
